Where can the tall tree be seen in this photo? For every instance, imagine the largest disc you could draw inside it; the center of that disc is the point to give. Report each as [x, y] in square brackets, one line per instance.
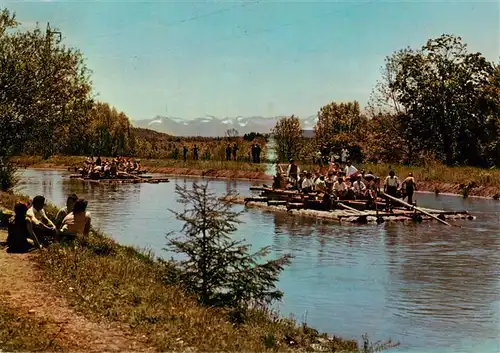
[219, 270]
[442, 88]
[339, 123]
[288, 137]
[45, 86]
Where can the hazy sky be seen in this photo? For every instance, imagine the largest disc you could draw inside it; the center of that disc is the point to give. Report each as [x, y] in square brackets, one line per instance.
[191, 58]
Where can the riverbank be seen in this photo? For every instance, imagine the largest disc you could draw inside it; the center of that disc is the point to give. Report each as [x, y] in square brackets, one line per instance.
[440, 179]
[172, 167]
[120, 291]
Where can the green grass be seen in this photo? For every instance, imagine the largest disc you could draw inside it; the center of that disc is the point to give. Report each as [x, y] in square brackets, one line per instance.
[122, 284]
[154, 164]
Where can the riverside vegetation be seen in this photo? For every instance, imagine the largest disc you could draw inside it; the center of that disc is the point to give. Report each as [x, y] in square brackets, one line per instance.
[214, 302]
[439, 103]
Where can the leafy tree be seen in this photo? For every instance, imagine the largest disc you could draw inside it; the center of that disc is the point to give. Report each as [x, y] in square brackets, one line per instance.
[339, 123]
[444, 91]
[288, 137]
[45, 87]
[232, 133]
[219, 270]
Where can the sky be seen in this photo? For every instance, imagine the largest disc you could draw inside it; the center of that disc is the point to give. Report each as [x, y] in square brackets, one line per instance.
[189, 59]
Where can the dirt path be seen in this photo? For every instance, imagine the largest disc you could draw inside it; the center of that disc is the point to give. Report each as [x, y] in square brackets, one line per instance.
[22, 290]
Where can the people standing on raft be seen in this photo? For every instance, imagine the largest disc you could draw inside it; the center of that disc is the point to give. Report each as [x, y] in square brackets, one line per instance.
[408, 187]
[391, 186]
[292, 173]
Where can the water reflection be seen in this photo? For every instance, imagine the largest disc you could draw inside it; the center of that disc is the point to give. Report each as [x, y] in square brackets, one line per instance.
[432, 287]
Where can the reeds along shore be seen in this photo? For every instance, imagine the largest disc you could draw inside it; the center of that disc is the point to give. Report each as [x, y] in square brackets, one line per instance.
[127, 286]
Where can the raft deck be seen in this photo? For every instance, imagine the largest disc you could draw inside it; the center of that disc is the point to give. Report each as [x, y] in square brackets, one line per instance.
[352, 216]
[144, 179]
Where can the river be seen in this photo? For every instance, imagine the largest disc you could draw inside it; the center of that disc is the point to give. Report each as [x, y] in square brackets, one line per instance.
[433, 288]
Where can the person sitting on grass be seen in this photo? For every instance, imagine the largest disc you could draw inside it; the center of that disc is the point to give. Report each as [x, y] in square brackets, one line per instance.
[63, 212]
[42, 225]
[20, 232]
[78, 221]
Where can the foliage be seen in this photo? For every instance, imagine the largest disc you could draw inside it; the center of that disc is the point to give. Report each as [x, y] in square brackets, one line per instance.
[219, 270]
[339, 123]
[8, 174]
[288, 137]
[45, 94]
[153, 144]
[450, 106]
[383, 140]
[110, 132]
[232, 133]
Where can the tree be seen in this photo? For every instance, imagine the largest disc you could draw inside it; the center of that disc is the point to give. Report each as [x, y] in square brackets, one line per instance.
[339, 123]
[219, 270]
[232, 133]
[45, 87]
[443, 91]
[288, 137]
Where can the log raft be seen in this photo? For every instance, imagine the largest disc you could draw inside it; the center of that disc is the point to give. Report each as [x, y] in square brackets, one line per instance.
[298, 204]
[136, 180]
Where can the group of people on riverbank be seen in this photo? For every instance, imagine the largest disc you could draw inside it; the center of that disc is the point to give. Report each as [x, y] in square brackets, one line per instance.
[99, 168]
[344, 183]
[31, 227]
[231, 152]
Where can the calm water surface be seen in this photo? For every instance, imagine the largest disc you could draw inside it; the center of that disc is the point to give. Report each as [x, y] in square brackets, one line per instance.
[431, 287]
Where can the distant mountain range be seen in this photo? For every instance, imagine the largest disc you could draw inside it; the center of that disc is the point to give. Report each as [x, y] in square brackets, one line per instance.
[211, 126]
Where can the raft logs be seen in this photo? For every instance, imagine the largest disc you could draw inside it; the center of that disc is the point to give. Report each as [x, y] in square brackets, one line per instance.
[122, 180]
[345, 215]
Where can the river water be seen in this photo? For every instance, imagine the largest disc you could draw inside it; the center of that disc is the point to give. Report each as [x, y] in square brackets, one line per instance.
[431, 287]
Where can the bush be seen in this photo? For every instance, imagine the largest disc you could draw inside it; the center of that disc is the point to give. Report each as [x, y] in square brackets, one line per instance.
[8, 175]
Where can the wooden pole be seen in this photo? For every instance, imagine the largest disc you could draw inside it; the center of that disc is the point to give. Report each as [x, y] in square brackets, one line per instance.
[415, 208]
[352, 209]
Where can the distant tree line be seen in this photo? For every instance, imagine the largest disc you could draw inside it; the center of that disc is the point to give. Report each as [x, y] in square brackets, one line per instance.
[47, 106]
[438, 102]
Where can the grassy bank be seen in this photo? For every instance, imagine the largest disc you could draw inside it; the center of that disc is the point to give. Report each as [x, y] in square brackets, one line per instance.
[115, 283]
[213, 169]
[437, 177]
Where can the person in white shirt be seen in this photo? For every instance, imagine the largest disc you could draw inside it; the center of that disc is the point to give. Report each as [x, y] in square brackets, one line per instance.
[307, 184]
[340, 188]
[391, 186]
[63, 212]
[359, 187]
[350, 170]
[320, 184]
[42, 225]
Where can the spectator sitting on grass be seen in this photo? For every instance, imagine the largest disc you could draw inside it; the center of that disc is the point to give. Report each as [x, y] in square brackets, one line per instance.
[63, 212]
[78, 221]
[20, 237]
[42, 225]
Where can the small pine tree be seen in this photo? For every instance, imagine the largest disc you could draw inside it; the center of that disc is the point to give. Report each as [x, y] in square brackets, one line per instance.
[219, 270]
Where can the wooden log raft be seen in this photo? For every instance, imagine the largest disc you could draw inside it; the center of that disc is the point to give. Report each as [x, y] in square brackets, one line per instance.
[122, 180]
[296, 208]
